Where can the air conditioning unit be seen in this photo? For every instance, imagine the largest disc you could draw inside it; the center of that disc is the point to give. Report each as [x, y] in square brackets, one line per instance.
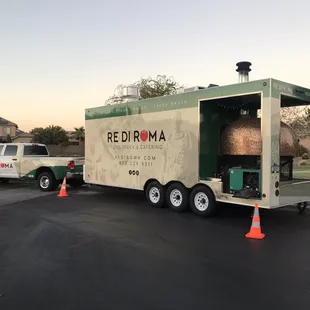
[194, 88]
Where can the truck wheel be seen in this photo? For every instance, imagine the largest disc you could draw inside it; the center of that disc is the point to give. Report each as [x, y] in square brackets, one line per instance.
[46, 181]
[155, 194]
[177, 197]
[202, 201]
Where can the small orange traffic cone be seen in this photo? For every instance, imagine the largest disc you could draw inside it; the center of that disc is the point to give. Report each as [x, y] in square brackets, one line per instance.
[255, 231]
[63, 190]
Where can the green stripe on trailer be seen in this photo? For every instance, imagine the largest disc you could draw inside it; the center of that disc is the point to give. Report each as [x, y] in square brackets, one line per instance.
[279, 87]
[179, 101]
[268, 87]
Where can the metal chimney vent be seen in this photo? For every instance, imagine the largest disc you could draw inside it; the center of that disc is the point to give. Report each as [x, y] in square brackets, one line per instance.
[243, 70]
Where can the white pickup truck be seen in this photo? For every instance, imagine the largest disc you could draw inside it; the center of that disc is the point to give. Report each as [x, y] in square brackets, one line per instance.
[32, 161]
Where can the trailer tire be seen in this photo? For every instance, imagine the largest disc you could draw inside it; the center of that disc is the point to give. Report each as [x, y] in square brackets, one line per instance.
[202, 201]
[155, 194]
[177, 197]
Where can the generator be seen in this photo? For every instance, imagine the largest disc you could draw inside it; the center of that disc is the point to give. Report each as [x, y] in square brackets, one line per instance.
[245, 182]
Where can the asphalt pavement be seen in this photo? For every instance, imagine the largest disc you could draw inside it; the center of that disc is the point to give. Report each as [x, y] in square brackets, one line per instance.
[108, 249]
[16, 191]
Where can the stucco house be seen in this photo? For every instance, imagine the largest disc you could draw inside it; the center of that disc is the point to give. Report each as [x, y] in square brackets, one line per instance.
[7, 128]
[22, 137]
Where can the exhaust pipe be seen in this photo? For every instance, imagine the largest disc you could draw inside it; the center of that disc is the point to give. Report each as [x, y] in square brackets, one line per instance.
[243, 70]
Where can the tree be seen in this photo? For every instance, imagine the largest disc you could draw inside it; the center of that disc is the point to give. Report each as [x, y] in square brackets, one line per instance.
[307, 114]
[148, 88]
[79, 134]
[38, 134]
[161, 86]
[117, 97]
[55, 135]
[290, 114]
[298, 118]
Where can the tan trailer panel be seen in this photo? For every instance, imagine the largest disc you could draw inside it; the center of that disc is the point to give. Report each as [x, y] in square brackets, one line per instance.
[127, 151]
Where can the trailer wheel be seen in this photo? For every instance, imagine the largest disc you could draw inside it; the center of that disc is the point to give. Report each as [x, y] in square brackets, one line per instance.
[155, 194]
[177, 197]
[302, 207]
[202, 201]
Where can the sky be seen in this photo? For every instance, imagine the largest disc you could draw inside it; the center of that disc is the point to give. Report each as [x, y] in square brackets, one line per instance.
[59, 57]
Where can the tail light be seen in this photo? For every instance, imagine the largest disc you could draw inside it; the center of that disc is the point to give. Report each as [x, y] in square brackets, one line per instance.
[71, 164]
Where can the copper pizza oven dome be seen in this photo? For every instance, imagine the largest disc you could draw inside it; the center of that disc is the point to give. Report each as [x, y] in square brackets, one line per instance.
[243, 137]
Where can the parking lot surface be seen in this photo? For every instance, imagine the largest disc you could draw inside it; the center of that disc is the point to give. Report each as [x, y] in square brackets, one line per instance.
[108, 249]
[18, 191]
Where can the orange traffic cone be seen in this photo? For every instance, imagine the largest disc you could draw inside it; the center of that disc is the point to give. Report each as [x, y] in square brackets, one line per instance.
[255, 231]
[63, 191]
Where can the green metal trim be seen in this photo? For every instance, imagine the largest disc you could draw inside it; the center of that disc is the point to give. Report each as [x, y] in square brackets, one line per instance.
[179, 101]
[280, 87]
[59, 171]
[30, 175]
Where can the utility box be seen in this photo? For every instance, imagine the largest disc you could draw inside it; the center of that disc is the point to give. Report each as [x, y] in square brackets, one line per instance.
[240, 179]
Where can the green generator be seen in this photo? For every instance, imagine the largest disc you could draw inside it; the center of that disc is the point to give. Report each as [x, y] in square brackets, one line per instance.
[242, 179]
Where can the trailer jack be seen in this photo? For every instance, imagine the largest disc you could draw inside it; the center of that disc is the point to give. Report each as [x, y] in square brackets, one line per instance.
[302, 206]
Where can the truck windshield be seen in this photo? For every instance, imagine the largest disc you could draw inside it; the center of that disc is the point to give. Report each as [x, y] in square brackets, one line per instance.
[35, 150]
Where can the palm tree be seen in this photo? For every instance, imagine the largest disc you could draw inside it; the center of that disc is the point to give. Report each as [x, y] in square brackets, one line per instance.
[79, 134]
